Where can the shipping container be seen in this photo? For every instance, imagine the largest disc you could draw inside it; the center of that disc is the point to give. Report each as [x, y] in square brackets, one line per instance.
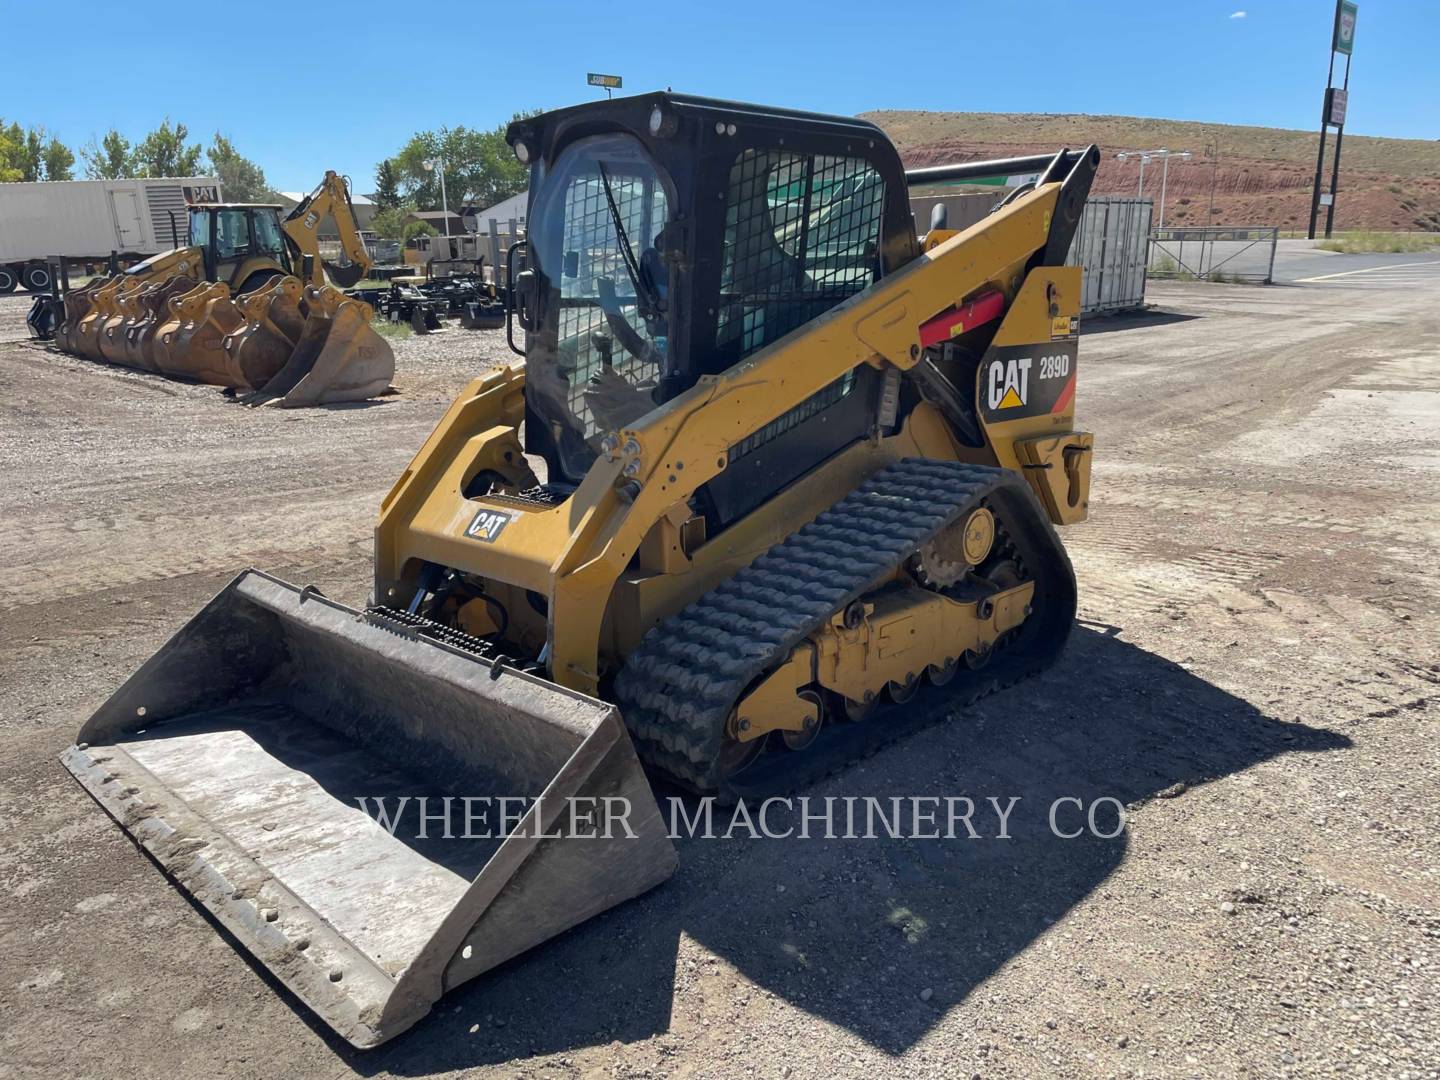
[85, 221]
[1110, 244]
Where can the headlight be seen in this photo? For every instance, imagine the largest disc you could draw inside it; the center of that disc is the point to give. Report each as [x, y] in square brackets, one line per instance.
[663, 122]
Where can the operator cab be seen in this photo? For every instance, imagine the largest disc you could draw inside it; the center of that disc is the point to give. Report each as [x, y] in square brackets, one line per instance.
[671, 237]
[232, 234]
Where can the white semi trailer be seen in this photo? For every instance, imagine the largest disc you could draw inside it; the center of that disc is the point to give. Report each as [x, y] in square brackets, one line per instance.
[86, 221]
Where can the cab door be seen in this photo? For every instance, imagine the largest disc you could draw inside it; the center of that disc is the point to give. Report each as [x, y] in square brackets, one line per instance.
[233, 243]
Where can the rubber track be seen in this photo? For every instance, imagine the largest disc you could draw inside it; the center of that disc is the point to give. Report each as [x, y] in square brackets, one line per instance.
[677, 688]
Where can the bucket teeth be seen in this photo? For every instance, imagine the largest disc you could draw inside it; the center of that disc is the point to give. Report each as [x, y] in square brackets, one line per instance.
[339, 357]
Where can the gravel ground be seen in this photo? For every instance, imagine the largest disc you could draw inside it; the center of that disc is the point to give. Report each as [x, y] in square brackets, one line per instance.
[1254, 676]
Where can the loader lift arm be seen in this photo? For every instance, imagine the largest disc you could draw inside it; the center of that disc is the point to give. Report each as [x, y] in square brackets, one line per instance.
[331, 196]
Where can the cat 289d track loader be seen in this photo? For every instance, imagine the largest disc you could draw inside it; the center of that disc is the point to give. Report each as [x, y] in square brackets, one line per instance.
[775, 483]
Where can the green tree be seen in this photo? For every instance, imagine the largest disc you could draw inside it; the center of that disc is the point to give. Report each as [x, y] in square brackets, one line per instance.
[480, 167]
[12, 153]
[413, 229]
[387, 186]
[240, 178]
[59, 161]
[27, 155]
[34, 149]
[110, 160]
[389, 224]
[164, 152]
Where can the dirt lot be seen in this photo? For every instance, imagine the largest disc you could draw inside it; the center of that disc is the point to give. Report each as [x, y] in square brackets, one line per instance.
[1255, 676]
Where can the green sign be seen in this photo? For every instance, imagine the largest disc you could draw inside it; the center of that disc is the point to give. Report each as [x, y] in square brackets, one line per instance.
[1345, 26]
[609, 82]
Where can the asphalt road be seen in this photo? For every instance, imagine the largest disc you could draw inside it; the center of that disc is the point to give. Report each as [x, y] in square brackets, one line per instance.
[1299, 262]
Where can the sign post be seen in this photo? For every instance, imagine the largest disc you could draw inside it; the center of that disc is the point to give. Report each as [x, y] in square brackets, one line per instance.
[609, 82]
[1332, 114]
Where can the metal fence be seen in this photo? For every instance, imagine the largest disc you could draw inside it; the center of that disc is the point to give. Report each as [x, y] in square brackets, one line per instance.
[1216, 253]
[1110, 244]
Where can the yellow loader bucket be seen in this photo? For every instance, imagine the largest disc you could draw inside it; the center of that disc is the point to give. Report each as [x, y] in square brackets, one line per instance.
[189, 346]
[111, 338]
[102, 306]
[274, 320]
[339, 356]
[78, 303]
[247, 756]
[155, 308]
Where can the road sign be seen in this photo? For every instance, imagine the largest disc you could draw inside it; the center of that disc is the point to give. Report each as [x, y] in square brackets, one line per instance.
[1327, 199]
[609, 82]
[1335, 101]
[1345, 27]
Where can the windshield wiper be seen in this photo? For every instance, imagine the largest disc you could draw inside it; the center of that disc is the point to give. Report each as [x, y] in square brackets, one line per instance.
[649, 303]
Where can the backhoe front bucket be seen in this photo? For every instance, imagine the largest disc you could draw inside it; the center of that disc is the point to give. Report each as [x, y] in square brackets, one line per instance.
[249, 754]
[339, 356]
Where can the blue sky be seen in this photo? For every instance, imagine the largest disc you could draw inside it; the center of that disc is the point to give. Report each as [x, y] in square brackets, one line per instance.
[343, 85]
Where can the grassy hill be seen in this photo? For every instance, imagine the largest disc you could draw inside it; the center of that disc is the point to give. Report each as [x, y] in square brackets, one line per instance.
[1262, 177]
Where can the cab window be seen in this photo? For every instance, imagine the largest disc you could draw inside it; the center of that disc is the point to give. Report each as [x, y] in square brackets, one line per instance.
[232, 233]
[268, 238]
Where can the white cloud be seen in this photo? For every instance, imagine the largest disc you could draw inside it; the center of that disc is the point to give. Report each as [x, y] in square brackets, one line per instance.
[1237, 15]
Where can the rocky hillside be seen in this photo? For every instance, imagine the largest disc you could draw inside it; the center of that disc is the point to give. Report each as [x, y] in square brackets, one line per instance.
[1262, 177]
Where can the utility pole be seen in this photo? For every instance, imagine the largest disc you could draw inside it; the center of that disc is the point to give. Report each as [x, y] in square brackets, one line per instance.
[1184, 155]
[430, 165]
[1214, 151]
[1126, 155]
[1332, 113]
[1164, 156]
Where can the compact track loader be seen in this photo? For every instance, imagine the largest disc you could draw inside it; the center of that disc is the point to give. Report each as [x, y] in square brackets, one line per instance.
[776, 483]
[229, 308]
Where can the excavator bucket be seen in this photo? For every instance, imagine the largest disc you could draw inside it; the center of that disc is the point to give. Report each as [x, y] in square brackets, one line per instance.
[78, 303]
[274, 319]
[250, 756]
[102, 306]
[110, 339]
[155, 308]
[339, 356]
[189, 345]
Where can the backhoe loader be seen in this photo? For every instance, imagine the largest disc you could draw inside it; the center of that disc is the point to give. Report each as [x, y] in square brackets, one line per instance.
[775, 484]
[244, 305]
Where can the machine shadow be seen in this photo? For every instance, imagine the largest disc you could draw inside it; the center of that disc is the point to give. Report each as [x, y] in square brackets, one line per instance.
[1131, 320]
[852, 930]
